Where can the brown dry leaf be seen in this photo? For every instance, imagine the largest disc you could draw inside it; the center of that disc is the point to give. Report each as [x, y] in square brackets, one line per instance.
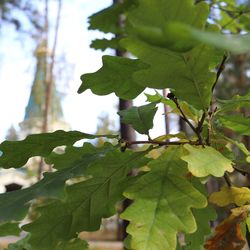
[228, 235]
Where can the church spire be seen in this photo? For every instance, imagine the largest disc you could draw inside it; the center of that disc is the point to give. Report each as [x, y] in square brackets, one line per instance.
[34, 112]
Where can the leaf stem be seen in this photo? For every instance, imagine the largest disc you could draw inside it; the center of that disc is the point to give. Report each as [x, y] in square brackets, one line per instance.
[197, 130]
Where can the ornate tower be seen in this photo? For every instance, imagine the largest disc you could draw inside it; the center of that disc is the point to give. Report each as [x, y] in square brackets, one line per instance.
[34, 112]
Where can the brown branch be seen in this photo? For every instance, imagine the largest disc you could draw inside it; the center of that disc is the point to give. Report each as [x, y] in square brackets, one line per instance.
[172, 97]
[219, 71]
[160, 143]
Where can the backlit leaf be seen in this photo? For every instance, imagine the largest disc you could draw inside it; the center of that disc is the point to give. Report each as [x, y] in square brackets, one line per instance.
[114, 76]
[162, 204]
[194, 80]
[73, 163]
[236, 102]
[141, 118]
[16, 153]
[206, 161]
[228, 195]
[86, 202]
[237, 123]
[235, 43]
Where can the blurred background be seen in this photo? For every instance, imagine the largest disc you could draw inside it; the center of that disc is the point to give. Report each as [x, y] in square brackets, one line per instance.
[44, 49]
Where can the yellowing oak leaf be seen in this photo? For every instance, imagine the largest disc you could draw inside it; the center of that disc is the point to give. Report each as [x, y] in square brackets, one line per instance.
[206, 161]
[228, 234]
[228, 195]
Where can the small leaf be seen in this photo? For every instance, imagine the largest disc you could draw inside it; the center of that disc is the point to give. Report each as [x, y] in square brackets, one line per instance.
[229, 195]
[16, 153]
[116, 75]
[141, 118]
[162, 204]
[237, 123]
[228, 234]
[206, 161]
[9, 229]
[104, 44]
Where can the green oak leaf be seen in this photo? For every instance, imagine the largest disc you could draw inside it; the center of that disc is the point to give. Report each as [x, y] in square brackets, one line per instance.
[152, 22]
[9, 228]
[104, 44]
[75, 244]
[86, 202]
[114, 76]
[194, 80]
[16, 153]
[206, 161]
[73, 163]
[189, 73]
[203, 217]
[236, 102]
[237, 123]
[141, 118]
[106, 20]
[234, 43]
[163, 199]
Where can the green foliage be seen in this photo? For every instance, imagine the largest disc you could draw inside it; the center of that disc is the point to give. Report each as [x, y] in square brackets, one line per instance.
[9, 228]
[16, 154]
[163, 198]
[237, 123]
[205, 161]
[141, 118]
[115, 70]
[174, 49]
[86, 202]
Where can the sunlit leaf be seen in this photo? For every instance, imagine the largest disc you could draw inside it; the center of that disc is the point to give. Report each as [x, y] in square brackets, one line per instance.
[206, 161]
[162, 204]
[228, 195]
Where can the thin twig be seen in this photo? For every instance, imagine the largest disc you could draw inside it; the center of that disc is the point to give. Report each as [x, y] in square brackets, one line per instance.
[227, 179]
[162, 143]
[200, 123]
[219, 71]
[172, 97]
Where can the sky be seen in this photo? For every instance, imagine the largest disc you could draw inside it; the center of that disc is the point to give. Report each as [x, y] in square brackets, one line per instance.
[17, 67]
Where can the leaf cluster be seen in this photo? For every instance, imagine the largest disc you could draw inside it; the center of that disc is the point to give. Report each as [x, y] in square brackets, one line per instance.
[174, 46]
